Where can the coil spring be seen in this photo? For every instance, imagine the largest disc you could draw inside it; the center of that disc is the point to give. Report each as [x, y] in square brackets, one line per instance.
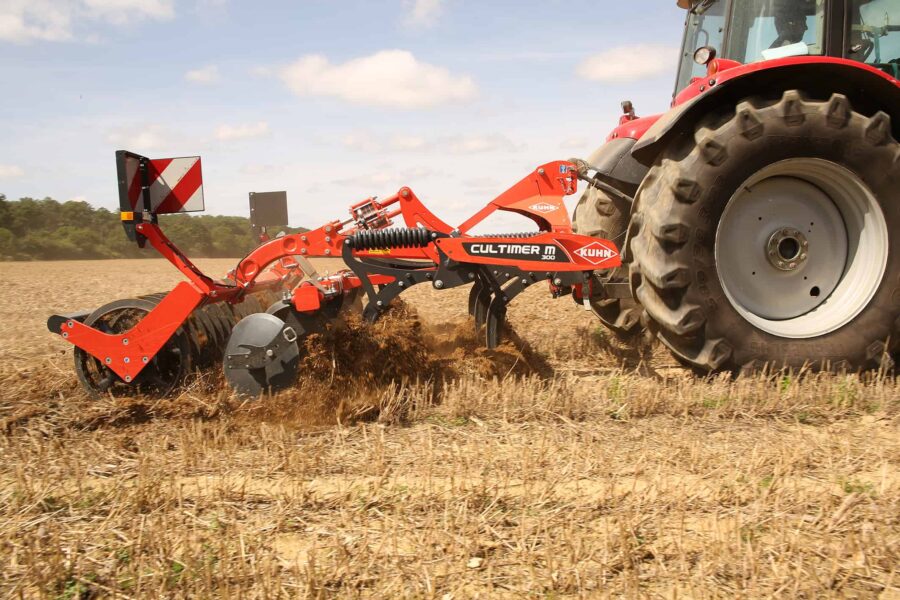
[405, 237]
[523, 234]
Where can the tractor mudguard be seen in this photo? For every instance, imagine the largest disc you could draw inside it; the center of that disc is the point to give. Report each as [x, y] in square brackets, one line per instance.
[868, 89]
[614, 162]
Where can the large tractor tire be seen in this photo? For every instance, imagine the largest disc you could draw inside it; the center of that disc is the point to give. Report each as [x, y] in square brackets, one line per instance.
[765, 239]
[598, 214]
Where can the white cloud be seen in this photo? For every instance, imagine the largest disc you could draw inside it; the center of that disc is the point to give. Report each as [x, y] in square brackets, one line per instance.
[474, 144]
[408, 143]
[242, 132]
[24, 21]
[366, 142]
[204, 75]
[141, 138]
[126, 11]
[262, 169]
[483, 183]
[386, 178]
[623, 64]
[360, 141]
[11, 171]
[393, 78]
[575, 143]
[424, 13]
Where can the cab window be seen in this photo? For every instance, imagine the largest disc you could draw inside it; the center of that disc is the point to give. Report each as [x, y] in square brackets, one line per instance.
[874, 35]
[705, 27]
[769, 29]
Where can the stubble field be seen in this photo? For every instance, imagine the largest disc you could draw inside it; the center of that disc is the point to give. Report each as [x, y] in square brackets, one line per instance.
[410, 463]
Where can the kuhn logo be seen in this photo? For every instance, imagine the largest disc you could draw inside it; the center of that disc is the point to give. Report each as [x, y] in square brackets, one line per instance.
[596, 253]
[543, 207]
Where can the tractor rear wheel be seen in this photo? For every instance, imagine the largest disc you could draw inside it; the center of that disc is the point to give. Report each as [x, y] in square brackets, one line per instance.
[598, 214]
[765, 239]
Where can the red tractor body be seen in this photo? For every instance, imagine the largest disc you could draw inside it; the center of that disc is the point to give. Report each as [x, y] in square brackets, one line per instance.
[806, 92]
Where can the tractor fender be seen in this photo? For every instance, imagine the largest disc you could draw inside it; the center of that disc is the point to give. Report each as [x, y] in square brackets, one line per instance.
[868, 89]
[613, 161]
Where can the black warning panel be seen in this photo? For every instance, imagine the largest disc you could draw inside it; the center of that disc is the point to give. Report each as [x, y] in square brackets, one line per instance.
[268, 209]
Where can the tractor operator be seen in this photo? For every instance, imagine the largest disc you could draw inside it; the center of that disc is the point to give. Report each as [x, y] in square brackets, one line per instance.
[790, 23]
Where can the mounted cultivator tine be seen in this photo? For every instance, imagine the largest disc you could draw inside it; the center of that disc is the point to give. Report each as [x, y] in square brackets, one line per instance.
[256, 320]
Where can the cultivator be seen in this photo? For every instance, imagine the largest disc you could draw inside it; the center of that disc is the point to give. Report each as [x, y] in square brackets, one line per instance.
[255, 319]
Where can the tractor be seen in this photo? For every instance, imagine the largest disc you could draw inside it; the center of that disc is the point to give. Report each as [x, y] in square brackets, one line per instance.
[759, 216]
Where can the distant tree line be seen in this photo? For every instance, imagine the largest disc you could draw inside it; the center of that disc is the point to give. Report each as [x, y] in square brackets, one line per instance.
[49, 230]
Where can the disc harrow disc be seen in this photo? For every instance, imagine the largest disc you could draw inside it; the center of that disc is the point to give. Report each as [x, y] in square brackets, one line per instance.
[262, 355]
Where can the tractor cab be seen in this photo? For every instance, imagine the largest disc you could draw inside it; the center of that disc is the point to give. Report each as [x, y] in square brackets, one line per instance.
[749, 31]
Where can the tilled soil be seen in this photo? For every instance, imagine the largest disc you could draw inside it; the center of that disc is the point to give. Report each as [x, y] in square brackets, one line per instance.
[409, 461]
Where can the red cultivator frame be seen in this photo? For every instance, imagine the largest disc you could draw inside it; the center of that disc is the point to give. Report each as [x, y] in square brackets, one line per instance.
[273, 296]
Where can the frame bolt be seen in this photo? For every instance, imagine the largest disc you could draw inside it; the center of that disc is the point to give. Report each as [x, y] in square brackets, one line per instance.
[128, 378]
[70, 324]
[107, 360]
[145, 360]
[379, 303]
[126, 360]
[328, 251]
[303, 238]
[405, 193]
[438, 284]
[125, 341]
[557, 281]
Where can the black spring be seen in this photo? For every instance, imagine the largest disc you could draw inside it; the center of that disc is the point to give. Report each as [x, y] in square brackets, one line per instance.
[524, 234]
[384, 239]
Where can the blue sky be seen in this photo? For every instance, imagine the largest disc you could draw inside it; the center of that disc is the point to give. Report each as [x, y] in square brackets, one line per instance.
[331, 101]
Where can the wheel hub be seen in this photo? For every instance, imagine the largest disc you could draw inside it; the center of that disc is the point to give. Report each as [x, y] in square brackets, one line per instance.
[787, 249]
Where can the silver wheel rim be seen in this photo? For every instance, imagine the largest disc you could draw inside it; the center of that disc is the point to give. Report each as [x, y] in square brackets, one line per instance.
[801, 248]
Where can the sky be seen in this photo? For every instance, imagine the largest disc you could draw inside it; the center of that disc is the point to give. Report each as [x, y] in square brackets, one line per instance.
[331, 101]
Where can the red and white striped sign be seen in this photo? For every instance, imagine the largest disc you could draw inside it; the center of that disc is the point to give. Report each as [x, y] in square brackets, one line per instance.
[175, 184]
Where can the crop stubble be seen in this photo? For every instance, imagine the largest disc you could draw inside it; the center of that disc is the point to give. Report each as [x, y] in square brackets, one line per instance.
[409, 462]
